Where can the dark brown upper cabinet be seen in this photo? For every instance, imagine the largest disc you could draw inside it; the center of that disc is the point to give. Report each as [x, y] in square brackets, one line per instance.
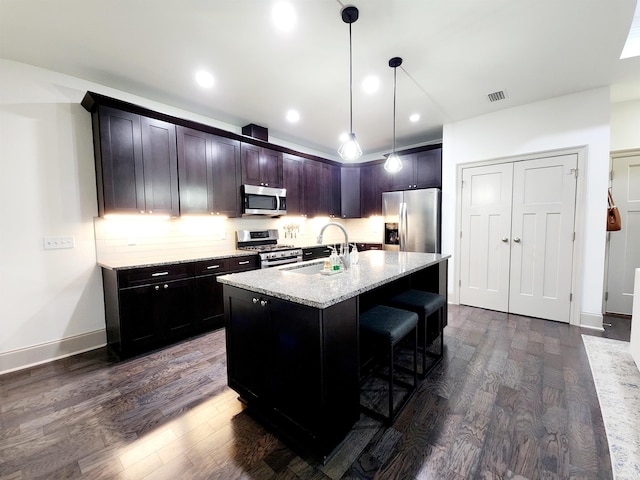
[421, 169]
[136, 163]
[374, 180]
[261, 166]
[293, 181]
[209, 173]
[350, 195]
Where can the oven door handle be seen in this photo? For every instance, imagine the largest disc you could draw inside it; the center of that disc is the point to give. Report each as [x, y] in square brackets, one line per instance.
[284, 261]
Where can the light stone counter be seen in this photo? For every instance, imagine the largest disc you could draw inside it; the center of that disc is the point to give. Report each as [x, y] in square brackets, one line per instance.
[375, 268]
[126, 262]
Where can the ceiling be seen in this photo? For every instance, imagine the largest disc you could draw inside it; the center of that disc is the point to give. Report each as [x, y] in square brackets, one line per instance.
[455, 53]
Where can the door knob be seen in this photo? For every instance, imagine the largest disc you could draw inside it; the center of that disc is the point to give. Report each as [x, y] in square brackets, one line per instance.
[505, 239]
[516, 239]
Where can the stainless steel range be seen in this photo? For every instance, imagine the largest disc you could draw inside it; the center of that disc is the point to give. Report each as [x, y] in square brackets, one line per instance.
[265, 242]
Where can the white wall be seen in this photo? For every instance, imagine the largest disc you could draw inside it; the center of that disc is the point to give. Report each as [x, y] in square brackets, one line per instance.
[51, 301]
[625, 125]
[557, 123]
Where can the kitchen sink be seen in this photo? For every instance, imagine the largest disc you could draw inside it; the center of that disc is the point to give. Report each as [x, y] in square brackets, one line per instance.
[309, 269]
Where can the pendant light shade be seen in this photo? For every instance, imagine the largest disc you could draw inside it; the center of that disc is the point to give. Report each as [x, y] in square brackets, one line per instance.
[350, 150]
[393, 163]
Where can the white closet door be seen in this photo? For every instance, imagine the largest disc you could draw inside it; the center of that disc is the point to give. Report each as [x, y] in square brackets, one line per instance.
[624, 245]
[542, 229]
[486, 228]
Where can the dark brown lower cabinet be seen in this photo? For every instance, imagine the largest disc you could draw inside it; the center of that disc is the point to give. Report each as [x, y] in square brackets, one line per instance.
[150, 307]
[295, 365]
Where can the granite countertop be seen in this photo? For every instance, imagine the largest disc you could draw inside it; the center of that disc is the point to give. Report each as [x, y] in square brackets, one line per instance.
[375, 268]
[115, 263]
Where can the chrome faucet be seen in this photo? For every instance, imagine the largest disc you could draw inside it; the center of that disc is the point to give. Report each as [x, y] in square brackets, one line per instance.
[345, 256]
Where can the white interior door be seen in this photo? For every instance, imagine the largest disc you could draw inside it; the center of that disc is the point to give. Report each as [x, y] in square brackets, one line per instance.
[624, 245]
[544, 193]
[486, 229]
[516, 243]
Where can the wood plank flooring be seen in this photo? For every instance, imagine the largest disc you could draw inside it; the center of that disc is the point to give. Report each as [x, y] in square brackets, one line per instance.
[513, 398]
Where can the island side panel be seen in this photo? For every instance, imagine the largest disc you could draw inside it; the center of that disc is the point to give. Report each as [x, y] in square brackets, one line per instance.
[341, 363]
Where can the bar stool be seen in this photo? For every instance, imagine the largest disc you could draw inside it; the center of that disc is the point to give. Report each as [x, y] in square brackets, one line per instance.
[387, 325]
[424, 304]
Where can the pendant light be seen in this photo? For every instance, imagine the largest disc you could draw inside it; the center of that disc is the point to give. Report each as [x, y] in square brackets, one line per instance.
[350, 150]
[393, 163]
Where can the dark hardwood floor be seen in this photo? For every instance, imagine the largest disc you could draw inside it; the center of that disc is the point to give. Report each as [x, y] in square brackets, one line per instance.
[513, 398]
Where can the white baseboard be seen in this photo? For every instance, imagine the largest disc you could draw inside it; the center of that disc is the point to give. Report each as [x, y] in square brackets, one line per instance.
[47, 352]
[591, 320]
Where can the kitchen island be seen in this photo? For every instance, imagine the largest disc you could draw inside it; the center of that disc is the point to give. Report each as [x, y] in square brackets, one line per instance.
[292, 338]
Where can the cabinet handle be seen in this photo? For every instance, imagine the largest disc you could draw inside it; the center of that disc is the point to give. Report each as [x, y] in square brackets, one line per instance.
[211, 267]
[266, 184]
[159, 274]
[516, 239]
[263, 302]
[255, 300]
[505, 239]
[306, 254]
[243, 263]
[166, 286]
[157, 287]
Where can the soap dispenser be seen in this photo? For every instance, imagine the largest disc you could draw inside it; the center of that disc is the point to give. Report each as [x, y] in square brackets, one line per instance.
[353, 256]
[333, 258]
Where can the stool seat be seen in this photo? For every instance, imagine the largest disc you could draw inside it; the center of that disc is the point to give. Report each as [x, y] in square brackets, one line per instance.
[391, 323]
[424, 304]
[388, 326]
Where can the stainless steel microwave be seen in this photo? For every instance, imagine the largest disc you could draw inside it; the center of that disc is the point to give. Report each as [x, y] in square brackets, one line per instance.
[263, 200]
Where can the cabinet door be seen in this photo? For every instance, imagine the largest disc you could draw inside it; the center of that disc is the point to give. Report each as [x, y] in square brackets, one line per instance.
[428, 168]
[250, 164]
[225, 172]
[209, 308]
[271, 168]
[140, 329]
[351, 192]
[292, 181]
[119, 162]
[175, 308]
[313, 198]
[405, 179]
[373, 181]
[194, 167]
[249, 344]
[296, 359]
[160, 166]
[335, 192]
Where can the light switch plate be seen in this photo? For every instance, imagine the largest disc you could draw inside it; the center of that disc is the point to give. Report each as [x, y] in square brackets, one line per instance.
[53, 243]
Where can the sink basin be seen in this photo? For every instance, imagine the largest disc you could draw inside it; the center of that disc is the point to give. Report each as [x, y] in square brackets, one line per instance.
[310, 269]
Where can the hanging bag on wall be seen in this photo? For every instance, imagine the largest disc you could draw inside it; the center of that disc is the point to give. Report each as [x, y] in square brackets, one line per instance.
[614, 223]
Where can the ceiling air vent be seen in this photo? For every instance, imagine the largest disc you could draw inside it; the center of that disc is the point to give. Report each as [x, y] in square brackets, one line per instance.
[495, 96]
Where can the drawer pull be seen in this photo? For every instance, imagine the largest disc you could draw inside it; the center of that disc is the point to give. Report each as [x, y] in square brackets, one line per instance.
[157, 287]
[159, 274]
[210, 267]
[243, 263]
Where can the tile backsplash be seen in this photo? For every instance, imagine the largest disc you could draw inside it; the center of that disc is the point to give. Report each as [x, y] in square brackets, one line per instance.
[139, 238]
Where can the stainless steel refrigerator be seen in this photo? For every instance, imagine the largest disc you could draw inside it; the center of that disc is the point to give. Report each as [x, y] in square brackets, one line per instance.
[412, 220]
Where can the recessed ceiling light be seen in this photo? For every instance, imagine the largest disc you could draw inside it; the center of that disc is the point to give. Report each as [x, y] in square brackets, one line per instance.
[371, 84]
[414, 117]
[284, 16]
[293, 116]
[204, 79]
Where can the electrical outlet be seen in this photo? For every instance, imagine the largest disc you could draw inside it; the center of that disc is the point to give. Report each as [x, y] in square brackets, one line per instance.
[53, 243]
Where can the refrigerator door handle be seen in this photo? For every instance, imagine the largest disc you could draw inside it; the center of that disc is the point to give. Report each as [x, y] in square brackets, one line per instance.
[402, 227]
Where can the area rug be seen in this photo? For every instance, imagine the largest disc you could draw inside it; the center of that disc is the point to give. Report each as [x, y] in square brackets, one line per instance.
[617, 381]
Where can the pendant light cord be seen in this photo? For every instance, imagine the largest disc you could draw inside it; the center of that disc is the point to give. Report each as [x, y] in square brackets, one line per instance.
[395, 69]
[350, 83]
